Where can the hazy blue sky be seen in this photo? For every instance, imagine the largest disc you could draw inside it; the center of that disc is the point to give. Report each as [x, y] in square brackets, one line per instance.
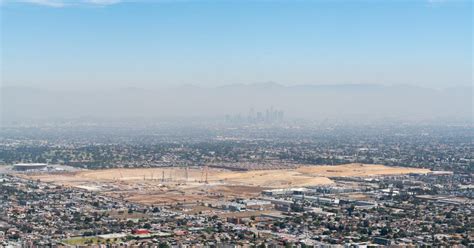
[149, 44]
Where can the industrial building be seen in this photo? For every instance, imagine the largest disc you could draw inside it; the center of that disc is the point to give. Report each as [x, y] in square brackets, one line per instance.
[29, 166]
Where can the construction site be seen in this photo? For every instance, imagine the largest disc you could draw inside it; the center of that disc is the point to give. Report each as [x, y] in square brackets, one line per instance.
[178, 185]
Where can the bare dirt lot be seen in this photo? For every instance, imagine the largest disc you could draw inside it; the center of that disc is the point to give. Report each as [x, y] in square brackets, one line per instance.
[357, 170]
[179, 185]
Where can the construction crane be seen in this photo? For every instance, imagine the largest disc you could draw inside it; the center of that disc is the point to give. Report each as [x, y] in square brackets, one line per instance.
[204, 174]
[186, 173]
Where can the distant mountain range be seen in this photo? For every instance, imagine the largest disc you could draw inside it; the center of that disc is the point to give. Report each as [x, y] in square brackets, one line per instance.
[314, 102]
